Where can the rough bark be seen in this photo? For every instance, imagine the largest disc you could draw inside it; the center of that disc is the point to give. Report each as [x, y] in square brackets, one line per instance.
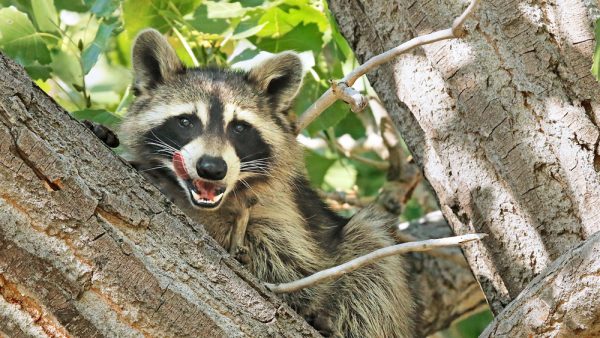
[88, 248]
[563, 301]
[504, 123]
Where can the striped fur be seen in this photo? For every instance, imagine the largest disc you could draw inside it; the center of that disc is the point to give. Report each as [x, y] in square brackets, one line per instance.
[291, 233]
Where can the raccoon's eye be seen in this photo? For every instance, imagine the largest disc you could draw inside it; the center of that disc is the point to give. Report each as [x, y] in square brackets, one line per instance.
[240, 127]
[185, 122]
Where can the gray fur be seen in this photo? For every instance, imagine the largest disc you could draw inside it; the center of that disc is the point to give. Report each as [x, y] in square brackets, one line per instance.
[283, 244]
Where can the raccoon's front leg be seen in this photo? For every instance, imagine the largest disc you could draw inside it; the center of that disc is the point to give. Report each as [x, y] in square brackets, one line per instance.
[103, 133]
[238, 233]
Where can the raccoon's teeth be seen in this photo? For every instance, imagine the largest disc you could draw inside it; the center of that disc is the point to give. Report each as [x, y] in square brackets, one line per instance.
[214, 200]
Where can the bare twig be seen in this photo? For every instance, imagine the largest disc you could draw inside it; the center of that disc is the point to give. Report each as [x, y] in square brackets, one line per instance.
[340, 270]
[343, 88]
[381, 165]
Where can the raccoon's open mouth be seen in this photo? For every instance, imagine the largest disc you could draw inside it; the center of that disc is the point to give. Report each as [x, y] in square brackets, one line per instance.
[205, 194]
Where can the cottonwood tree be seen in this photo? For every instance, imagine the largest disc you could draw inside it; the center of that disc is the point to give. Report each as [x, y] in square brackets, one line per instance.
[504, 124]
[88, 248]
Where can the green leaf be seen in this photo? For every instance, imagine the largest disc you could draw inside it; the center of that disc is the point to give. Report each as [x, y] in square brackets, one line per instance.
[301, 38]
[38, 72]
[223, 10]
[351, 125]
[102, 8]
[596, 58]
[44, 15]
[202, 23]
[247, 54]
[329, 118]
[369, 179]
[65, 65]
[340, 176]
[276, 23]
[71, 5]
[141, 14]
[317, 166]
[90, 55]
[101, 116]
[412, 210]
[247, 29]
[19, 40]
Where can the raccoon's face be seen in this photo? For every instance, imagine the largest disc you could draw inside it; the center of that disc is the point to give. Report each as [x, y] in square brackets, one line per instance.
[214, 131]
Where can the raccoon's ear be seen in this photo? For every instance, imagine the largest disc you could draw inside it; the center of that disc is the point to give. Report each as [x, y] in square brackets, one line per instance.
[279, 77]
[154, 60]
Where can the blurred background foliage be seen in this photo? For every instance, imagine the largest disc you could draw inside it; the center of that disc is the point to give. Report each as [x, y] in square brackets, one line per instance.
[78, 51]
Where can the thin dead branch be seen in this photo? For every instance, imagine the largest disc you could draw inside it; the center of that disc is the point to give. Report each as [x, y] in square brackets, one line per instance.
[343, 90]
[352, 265]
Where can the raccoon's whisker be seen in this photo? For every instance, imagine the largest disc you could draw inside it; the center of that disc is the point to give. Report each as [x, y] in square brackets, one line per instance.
[155, 168]
[161, 147]
[163, 151]
[245, 157]
[165, 143]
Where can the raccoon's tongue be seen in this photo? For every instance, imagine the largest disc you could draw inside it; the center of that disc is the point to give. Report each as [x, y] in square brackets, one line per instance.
[180, 166]
[207, 192]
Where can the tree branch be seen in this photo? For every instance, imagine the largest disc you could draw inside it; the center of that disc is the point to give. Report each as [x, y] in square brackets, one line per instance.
[340, 270]
[343, 90]
[562, 301]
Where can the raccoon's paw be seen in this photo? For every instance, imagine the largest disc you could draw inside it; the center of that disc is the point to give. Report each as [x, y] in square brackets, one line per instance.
[103, 133]
[241, 255]
[323, 322]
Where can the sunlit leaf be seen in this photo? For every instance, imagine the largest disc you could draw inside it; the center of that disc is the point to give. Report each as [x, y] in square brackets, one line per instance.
[44, 15]
[19, 39]
[276, 23]
[221, 9]
[340, 176]
[141, 14]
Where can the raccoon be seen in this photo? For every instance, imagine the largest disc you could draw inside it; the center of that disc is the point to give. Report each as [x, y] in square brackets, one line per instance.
[220, 142]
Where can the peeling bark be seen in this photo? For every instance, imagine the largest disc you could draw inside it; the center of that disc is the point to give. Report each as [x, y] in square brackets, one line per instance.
[504, 123]
[88, 248]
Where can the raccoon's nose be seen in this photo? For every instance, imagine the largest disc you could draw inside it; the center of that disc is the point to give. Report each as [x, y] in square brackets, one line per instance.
[212, 168]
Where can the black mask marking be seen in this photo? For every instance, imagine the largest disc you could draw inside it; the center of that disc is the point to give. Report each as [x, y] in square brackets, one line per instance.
[248, 144]
[215, 121]
[172, 134]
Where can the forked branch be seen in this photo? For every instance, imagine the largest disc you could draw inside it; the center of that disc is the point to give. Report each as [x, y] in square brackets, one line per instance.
[370, 258]
[343, 90]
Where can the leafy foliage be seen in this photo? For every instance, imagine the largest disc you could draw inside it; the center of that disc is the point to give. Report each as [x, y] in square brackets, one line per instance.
[79, 52]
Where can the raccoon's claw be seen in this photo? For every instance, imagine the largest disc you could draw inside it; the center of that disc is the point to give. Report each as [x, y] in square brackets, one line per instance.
[241, 255]
[103, 133]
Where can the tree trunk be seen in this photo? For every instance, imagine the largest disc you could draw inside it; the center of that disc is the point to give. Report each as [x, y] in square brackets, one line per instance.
[88, 248]
[503, 122]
